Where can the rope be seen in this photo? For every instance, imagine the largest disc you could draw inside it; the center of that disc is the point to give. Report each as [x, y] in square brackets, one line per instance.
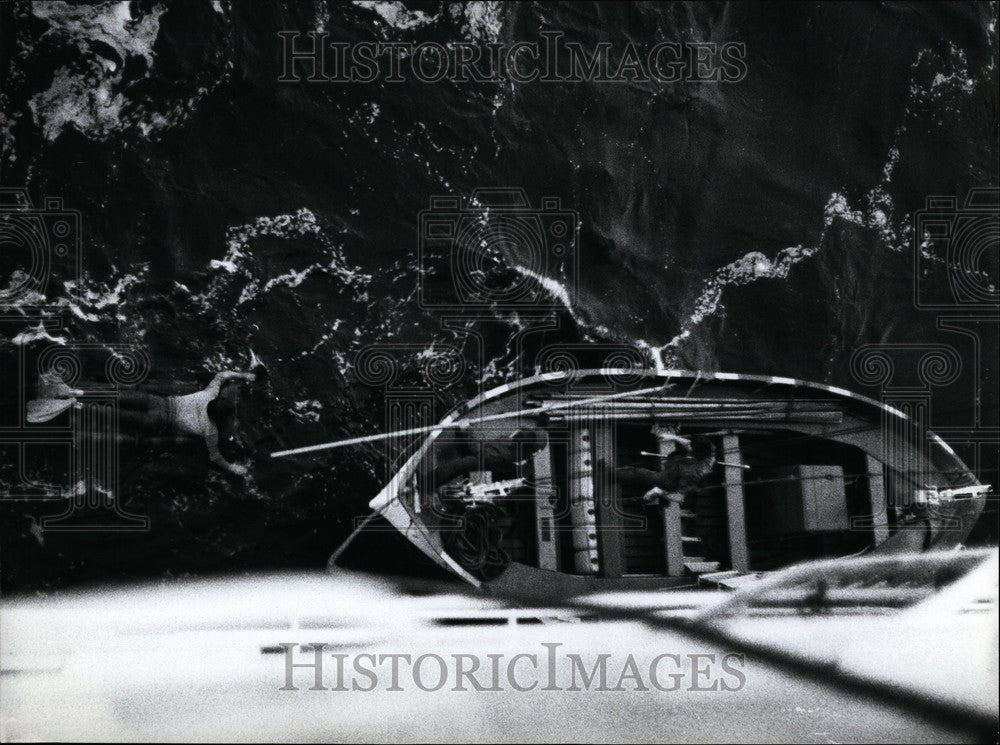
[332, 561]
[476, 544]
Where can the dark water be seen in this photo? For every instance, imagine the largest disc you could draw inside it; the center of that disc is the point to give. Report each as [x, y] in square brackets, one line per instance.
[759, 226]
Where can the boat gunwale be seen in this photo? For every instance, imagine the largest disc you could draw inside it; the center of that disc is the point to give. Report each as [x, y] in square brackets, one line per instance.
[510, 387]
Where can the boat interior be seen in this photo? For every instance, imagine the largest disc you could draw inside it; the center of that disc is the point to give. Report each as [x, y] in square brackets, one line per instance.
[798, 476]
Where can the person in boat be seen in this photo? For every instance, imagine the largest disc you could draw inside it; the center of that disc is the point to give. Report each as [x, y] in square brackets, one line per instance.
[460, 456]
[679, 473]
[207, 414]
[475, 539]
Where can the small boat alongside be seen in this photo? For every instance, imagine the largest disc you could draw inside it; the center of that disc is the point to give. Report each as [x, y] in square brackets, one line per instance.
[520, 491]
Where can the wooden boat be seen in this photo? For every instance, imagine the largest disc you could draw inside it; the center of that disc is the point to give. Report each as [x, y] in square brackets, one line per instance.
[806, 471]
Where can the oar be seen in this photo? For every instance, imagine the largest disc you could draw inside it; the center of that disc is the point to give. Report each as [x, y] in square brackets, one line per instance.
[462, 423]
[720, 462]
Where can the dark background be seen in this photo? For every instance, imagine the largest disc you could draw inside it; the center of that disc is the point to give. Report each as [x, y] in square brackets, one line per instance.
[170, 134]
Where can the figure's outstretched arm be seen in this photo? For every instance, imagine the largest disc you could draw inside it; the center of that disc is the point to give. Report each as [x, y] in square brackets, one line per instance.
[225, 376]
[684, 441]
[221, 378]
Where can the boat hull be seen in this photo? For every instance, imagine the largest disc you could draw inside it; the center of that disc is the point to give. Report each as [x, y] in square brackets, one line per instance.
[818, 458]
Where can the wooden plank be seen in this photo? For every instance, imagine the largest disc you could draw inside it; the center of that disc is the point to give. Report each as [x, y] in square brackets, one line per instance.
[876, 497]
[546, 535]
[608, 498]
[739, 555]
[583, 509]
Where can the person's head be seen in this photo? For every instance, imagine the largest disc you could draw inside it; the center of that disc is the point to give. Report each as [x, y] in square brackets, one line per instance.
[529, 441]
[702, 447]
[222, 413]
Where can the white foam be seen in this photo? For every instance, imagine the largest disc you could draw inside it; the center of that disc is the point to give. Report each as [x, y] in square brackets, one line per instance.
[93, 101]
[91, 95]
[554, 287]
[307, 411]
[238, 266]
[37, 333]
[395, 14]
[748, 268]
[483, 20]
